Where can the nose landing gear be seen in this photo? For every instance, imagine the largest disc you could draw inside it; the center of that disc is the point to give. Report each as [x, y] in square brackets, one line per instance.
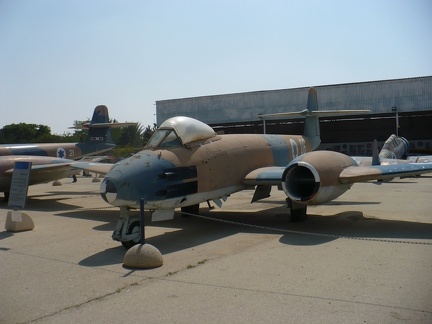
[127, 230]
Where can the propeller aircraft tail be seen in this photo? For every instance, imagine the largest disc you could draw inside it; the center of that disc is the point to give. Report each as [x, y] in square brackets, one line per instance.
[99, 128]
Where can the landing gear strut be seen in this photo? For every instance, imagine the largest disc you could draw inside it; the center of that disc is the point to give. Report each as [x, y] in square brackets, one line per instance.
[127, 230]
[298, 212]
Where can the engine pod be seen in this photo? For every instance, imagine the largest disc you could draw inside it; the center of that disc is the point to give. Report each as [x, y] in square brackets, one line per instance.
[313, 178]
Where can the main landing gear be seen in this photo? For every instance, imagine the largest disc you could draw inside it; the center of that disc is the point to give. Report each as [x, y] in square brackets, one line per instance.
[298, 212]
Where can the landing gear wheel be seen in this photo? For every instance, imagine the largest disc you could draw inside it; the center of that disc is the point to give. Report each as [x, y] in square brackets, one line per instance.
[194, 209]
[134, 227]
[298, 212]
[298, 215]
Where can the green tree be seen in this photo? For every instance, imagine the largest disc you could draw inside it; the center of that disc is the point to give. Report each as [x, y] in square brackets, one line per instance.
[148, 132]
[23, 133]
[131, 140]
[115, 132]
[49, 138]
[79, 134]
[120, 152]
[131, 136]
[41, 130]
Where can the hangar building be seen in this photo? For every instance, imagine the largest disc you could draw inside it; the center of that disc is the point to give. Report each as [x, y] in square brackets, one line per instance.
[401, 106]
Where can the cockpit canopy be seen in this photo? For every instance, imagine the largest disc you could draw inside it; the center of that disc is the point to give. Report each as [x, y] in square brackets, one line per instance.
[180, 130]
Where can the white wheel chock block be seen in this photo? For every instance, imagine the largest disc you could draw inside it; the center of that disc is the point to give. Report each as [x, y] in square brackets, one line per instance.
[17, 221]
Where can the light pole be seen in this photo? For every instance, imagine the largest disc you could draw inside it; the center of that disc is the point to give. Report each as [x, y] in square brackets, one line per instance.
[264, 122]
[394, 109]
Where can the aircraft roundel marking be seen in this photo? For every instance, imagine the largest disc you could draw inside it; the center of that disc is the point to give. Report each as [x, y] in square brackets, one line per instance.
[61, 153]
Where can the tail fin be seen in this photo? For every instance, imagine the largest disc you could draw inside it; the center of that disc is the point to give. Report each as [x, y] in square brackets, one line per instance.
[375, 157]
[100, 126]
[100, 115]
[312, 114]
[311, 126]
[97, 132]
[312, 103]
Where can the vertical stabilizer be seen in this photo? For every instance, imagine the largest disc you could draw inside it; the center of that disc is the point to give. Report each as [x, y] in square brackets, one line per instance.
[312, 103]
[100, 126]
[100, 115]
[99, 134]
[311, 125]
[375, 157]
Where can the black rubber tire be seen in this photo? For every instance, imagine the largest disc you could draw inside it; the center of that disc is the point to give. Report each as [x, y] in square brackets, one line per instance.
[133, 228]
[298, 214]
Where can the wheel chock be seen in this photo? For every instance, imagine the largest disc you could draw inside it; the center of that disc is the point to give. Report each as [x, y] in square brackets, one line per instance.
[17, 221]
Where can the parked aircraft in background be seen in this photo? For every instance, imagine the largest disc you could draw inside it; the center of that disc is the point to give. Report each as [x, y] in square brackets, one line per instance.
[97, 141]
[186, 163]
[394, 151]
[395, 147]
[52, 161]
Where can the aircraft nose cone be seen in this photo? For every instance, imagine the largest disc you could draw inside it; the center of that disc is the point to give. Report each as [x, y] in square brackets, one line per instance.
[108, 191]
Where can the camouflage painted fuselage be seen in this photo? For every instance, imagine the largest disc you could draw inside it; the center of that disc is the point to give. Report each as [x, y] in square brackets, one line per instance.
[180, 176]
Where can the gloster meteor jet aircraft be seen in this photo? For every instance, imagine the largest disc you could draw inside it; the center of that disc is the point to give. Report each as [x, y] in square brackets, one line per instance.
[186, 163]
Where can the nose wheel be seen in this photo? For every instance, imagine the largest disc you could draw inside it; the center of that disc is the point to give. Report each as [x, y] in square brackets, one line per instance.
[127, 230]
[133, 231]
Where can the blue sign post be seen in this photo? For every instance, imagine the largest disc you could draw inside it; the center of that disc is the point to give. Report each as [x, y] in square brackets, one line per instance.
[19, 185]
[16, 220]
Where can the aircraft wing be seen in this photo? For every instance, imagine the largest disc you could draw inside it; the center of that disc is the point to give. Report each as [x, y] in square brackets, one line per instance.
[420, 159]
[58, 170]
[46, 168]
[383, 172]
[265, 176]
[102, 125]
[42, 173]
[100, 168]
[352, 174]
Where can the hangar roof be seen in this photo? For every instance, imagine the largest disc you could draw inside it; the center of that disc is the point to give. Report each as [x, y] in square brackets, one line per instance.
[411, 94]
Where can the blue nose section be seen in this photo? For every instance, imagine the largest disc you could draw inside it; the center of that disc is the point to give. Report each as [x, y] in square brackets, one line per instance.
[150, 177]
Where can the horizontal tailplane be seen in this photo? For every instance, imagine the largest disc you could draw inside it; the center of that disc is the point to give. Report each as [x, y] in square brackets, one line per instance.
[100, 126]
[312, 114]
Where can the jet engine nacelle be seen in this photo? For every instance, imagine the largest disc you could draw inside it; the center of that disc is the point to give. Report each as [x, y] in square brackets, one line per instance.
[313, 178]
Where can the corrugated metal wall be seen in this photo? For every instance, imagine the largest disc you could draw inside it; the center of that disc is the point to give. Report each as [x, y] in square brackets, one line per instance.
[413, 94]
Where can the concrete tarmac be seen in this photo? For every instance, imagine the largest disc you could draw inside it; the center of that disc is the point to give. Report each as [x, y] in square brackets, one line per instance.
[363, 258]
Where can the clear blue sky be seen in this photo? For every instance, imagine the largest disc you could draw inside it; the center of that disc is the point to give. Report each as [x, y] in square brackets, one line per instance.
[60, 59]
